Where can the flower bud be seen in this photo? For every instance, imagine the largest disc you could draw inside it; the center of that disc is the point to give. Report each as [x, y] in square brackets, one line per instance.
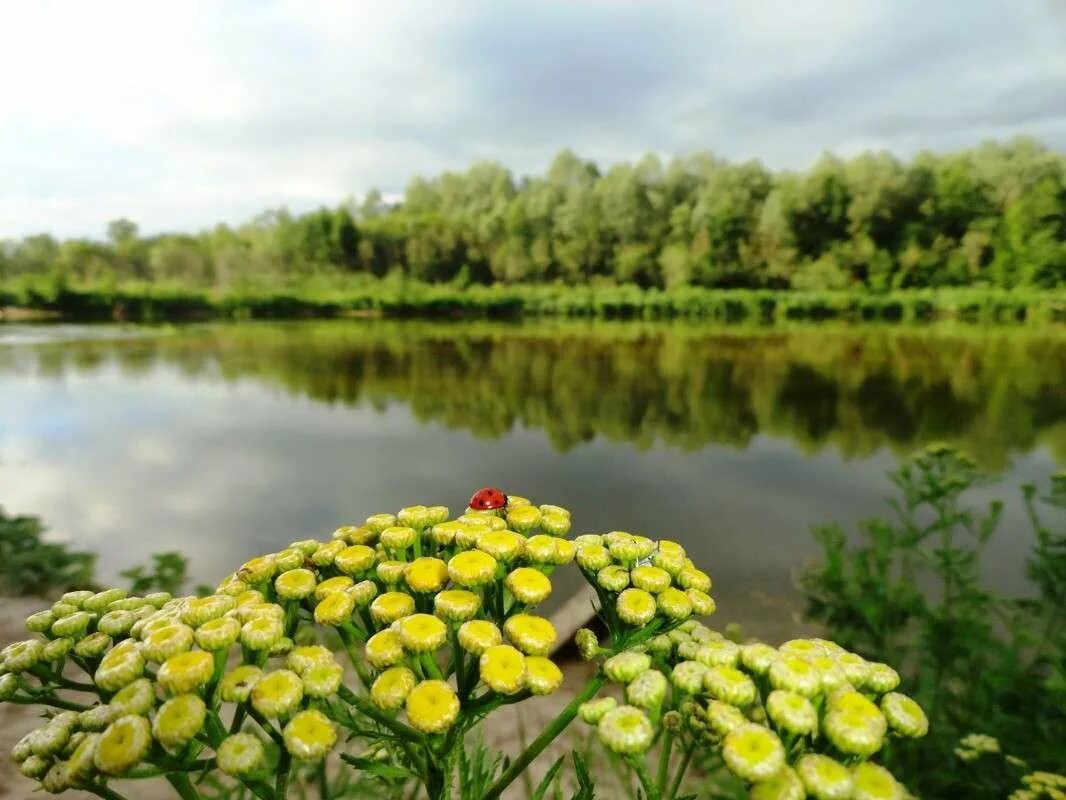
[785, 785]
[795, 675]
[186, 672]
[703, 604]
[588, 540]
[199, 610]
[49, 739]
[688, 676]
[689, 578]
[724, 718]
[116, 623]
[624, 548]
[456, 605]
[355, 560]
[421, 633]
[426, 575]
[588, 645]
[236, 686]
[534, 636]
[123, 745]
[503, 669]
[873, 782]
[118, 668]
[528, 585]
[626, 666]
[416, 517]
[758, 657]
[93, 646]
[626, 730]
[592, 557]
[303, 658]
[35, 767]
[41, 622]
[593, 711]
[288, 559]
[100, 602]
[647, 690]
[73, 626]
[137, 698]
[824, 777]
[335, 609]
[854, 733]
[96, 718]
[432, 706]
[613, 578]
[855, 668]
[325, 553]
[9, 684]
[380, 522]
[262, 633]
[472, 568]
[504, 546]
[523, 518]
[564, 552]
[22, 656]
[241, 755]
[635, 606]
[671, 563]
[391, 606]
[384, 649]
[309, 736]
[389, 691]
[661, 646]
[218, 634]
[904, 715]
[277, 694]
[718, 652]
[753, 752]
[61, 609]
[881, 678]
[57, 780]
[555, 524]
[791, 712]
[167, 641]
[543, 676]
[76, 598]
[179, 720]
[478, 635]
[398, 539]
[650, 579]
[730, 685]
[322, 680]
[674, 604]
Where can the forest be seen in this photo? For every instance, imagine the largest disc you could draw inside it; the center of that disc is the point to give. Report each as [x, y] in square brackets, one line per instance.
[992, 217]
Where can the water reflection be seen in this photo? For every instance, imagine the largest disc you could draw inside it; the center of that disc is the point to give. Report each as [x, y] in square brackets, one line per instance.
[220, 440]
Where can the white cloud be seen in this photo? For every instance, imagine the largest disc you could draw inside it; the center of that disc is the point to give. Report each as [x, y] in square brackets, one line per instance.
[182, 113]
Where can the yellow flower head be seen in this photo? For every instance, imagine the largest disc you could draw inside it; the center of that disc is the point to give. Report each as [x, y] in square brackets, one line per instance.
[791, 712]
[277, 694]
[542, 675]
[262, 633]
[355, 560]
[554, 524]
[363, 592]
[592, 557]
[218, 634]
[432, 706]
[384, 649]
[613, 578]
[456, 605]
[873, 782]
[92, 646]
[335, 609]
[540, 549]
[198, 610]
[635, 607]
[718, 652]
[327, 587]
[855, 668]
[753, 752]
[378, 523]
[904, 715]
[523, 518]
[649, 578]
[288, 559]
[398, 539]
[668, 561]
[626, 730]
[724, 718]
[593, 711]
[503, 669]
[414, 516]
[472, 568]
[690, 578]
[674, 604]
[309, 736]
[126, 741]
[534, 636]
[625, 666]
[115, 623]
[421, 633]
[478, 635]
[564, 552]
[785, 785]
[505, 546]
[587, 540]
[186, 672]
[881, 678]
[855, 733]
[241, 755]
[426, 575]
[164, 642]
[391, 606]
[236, 686]
[326, 552]
[528, 585]
[829, 672]
[258, 569]
[730, 685]
[136, 698]
[57, 650]
[303, 658]
[703, 604]
[179, 720]
[391, 688]
[390, 573]
[647, 690]
[824, 778]
[322, 680]
[794, 674]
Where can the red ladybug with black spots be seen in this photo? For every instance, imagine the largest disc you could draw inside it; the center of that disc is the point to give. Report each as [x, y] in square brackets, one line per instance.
[488, 499]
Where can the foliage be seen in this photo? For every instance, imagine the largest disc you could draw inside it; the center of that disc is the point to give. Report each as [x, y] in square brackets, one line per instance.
[168, 572]
[994, 216]
[31, 566]
[242, 695]
[911, 589]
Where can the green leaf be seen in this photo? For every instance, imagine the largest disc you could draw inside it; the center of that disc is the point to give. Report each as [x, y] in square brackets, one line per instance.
[549, 777]
[378, 768]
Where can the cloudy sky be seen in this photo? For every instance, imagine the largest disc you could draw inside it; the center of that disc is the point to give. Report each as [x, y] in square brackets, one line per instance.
[180, 113]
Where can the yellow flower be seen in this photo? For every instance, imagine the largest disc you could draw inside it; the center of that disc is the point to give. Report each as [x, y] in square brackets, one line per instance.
[753, 752]
[855, 667]
[165, 641]
[236, 686]
[309, 736]
[613, 578]
[791, 712]
[277, 694]
[391, 606]
[592, 711]
[258, 569]
[730, 685]
[391, 688]
[503, 669]
[702, 603]
[337, 584]
[198, 610]
[478, 635]
[303, 658]
[564, 552]
[179, 720]
[874, 782]
[795, 675]
[241, 755]
[93, 646]
[555, 524]
[528, 585]
[41, 621]
[855, 733]
[288, 559]
[505, 546]
[432, 706]
[135, 698]
[724, 718]
[456, 605]
[718, 652]
[689, 578]
[667, 561]
[626, 730]
[542, 675]
[398, 539]
[380, 522]
[625, 666]
[322, 680]
[785, 785]
[326, 552]
[635, 607]
[540, 549]
[647, 690]
[523, 518]
[384, 649]
[426, 575]
[218, 634]
[472, 568]
[186, 672]
[436, 514]
[674, 604]
[824, 777]
[56, 650]
[335, 609]
[421, 633]
[413, 516]
[881, 678]
[534, 636]
[650, 579]
[355, 560]
[126, 741]
[262, 633]
[592, 557]
[829, 672]
[363, 592]
[390, 573]
[904, 715]
[588, 540]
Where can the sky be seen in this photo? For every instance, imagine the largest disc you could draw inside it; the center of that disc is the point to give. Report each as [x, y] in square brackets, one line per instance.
[180, 114]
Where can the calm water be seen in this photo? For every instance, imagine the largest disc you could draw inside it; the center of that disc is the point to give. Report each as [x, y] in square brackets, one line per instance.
[224, 440]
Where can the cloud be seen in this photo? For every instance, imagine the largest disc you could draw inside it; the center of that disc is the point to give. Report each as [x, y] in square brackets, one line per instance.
[179, 114]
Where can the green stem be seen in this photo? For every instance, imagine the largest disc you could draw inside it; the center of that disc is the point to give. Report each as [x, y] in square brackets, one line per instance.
[549, 734]
[281, 785]
[651, 789]
[430, 666]
[675, 785]
[351, 648]
[664, 758]
[370, 710]
[183, 786]
[102, 791]
[56, 702]
[323, 781]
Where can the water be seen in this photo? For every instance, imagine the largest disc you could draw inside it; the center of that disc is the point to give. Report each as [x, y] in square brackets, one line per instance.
[226, 440]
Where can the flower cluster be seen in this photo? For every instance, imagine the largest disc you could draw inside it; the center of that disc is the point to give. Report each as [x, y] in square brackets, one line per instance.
[1041, 786]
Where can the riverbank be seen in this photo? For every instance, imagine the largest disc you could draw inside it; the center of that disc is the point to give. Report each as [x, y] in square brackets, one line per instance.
[152, 302]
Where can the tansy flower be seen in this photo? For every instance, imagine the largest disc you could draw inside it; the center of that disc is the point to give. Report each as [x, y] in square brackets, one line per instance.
[472, 568]
[241, 755]
[218, 634]
[325, 553]
[724, 718]
[785, 785]
[179, 720]
[555, 524]
[116, 623]
[335, 609]
[126, 741]
[503, 669]
[702, 603]
[791, 712]
[534, 636]
[848, 699]
[99, 602]
[384, 649]
[363, 592]
[136, 698]
[443, 533]
[661, 645]
[689, 578]
[426, 575]
[41, 621]
[540, 549]
[730, 685]
[186, 672]
[258, 569]
[391, 606]
[830, 674]
[548, 508]
[564, 552]
[718, 652]
[309, 736]
[873, 782]
[354, 560]
[854, 733]
[671, 563]
[456, 605]
[322, 680]
[542, 675]
[303, 658]
[413, 516]
[505, 546]
[624, 547]
[824, 777]
[625, 666]
[674, 603]
[93, 646]
[288, 559]
[588, 645]
[592, 711]
[478, 635]
[49, 740]
[592, 557]
[198, 610]
[626, 730]
[650, 579]
[421, 633]
[484, 519]
[236, 686]
[96, 718]
[262, 633]
[390, 689]
[398, 538]
[232, 586]
[523, 518]
[647, 690]
[390, 573]
[73, 626]
[688, 676]
[801, 647]
[635, 607]
[753, 752]
[251, 611]
[588, 540]
[855, 667]
[795, 675]
[277, 694]
[881, 678]
[528, 585]
[337, 584]
[81, 766]
[380, 522]
[432, 706]
[904, 715]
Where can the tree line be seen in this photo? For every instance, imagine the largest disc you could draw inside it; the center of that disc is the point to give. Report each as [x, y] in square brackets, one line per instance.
[994, 216]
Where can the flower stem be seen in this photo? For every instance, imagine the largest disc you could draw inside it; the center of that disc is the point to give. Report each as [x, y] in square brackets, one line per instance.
[549, 734]
[183, 786]
[675, 785]
[664, 758]
[652, 791]
[102, 791]
[397, 727]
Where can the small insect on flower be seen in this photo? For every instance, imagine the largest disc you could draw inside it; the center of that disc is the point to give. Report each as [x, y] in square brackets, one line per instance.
[488, 498]
[236, 686]
[753, 752]
[824, 778]
[432, 706]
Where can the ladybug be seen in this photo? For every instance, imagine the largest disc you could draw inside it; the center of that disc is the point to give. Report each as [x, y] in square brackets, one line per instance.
[488, 499]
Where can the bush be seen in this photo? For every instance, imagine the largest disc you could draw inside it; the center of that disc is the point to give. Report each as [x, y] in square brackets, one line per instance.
[31, 566]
